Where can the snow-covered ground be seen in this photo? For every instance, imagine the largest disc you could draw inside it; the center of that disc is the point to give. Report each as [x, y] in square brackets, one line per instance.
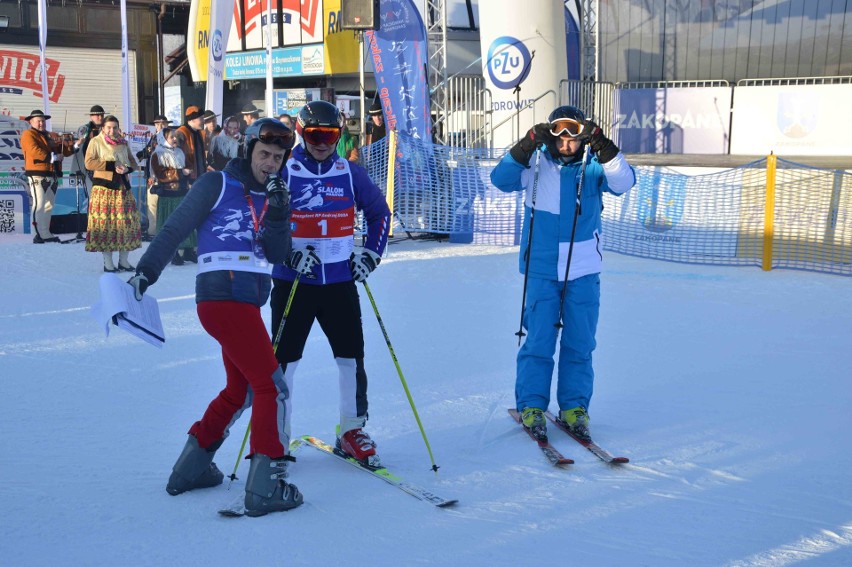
[728, 388]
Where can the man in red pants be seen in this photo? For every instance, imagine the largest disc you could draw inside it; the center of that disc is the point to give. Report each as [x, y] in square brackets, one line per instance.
[242, 216]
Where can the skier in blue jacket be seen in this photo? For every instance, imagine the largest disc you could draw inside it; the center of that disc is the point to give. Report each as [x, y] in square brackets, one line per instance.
[325, 191]
[551, 186]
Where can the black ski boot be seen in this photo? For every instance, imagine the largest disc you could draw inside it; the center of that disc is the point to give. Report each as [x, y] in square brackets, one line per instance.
[266, 490]
[195, 468]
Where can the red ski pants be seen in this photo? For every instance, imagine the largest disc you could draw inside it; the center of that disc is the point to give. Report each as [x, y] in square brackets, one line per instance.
[249, 361]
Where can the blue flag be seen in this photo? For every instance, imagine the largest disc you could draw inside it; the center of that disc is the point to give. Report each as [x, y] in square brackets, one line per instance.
[400, 54]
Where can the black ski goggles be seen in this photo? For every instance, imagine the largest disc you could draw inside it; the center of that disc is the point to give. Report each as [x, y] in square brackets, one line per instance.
[566, 126]
[282, 138]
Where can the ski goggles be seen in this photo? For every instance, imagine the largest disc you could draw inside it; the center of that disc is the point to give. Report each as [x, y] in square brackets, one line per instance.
[566, 126]
[283, 139]
[318, 135]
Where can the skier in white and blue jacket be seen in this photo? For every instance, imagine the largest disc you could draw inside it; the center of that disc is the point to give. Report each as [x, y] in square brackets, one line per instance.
[549, 238]
[325, 191]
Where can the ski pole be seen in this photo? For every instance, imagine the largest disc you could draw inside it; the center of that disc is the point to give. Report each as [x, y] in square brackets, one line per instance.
[528, 251]
[401, 377]
[233, 475]
[577, 213]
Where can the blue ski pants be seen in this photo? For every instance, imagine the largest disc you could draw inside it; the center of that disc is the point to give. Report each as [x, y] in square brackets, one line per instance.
[575, 378]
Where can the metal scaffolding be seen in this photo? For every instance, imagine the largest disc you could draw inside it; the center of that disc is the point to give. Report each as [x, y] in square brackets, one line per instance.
[436, 35]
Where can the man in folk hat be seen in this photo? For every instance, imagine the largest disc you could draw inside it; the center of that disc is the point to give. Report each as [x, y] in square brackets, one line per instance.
[149, 207]
[85, 133]
[250, 113]
[40, 156]
[196, 163]
[194, 151]
[376, 126]
[209, 132]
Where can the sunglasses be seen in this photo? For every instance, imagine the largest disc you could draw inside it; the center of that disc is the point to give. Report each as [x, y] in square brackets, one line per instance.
[317, 135]
[283, 140]
[566, 126]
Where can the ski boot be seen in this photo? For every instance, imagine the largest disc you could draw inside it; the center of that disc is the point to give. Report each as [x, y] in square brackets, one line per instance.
[195, 468]
[577, 421]
[266, 490]
[533, 420]
[356, 443]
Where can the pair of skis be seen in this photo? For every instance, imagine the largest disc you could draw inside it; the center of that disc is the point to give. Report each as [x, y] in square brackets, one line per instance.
[237, 509]
[554, 456]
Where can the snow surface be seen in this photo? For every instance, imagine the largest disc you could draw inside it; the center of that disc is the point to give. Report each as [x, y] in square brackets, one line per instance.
[728, 389]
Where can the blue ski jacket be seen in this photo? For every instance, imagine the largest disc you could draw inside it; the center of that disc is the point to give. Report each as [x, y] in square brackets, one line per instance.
[553, 195]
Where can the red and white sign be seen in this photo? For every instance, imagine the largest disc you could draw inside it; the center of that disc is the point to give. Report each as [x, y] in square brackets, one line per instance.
[20, 73]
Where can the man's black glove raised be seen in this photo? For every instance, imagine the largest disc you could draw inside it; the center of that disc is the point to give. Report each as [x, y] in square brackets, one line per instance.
[603, 147]
[279, 198]
[525, 148]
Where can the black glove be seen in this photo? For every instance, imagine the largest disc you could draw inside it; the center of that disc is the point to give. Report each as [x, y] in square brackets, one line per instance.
[140, 284]
[363, 264]
[303, 260]
[279, 198]
[525, 148]
[600, 144]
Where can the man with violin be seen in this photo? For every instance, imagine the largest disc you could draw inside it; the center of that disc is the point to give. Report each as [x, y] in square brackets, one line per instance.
[43, 153]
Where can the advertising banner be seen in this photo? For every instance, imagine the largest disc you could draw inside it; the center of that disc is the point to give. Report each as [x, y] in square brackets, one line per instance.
[303, 60]
[522, 64]
[301, 23]
[221, 15]
[791, 120]
[673, 121]
[400, 56]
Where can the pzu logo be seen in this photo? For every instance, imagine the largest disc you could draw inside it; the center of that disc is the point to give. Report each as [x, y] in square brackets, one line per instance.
[217, 45]
[508, 62]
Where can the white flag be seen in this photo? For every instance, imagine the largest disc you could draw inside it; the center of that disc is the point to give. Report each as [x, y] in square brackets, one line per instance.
[221, 16]
[42, 46]
[269, 109]
[126, 125]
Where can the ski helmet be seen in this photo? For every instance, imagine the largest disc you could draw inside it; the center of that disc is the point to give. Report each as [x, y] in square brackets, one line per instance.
[318, 113]
[567, 111]
[268, 131]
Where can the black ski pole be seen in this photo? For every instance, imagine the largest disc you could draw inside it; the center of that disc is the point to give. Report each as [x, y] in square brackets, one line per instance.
[577, 213]
[527, 252]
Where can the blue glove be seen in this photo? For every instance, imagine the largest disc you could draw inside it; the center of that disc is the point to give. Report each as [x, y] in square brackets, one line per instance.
[303, 260]
[363, 264]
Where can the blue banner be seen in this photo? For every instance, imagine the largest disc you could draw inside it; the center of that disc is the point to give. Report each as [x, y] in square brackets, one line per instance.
[400, 55]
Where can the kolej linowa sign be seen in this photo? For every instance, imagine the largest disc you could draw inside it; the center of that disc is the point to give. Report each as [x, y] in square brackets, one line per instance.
[303, 60]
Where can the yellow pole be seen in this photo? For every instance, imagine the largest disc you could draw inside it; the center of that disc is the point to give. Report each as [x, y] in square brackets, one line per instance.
[769, 213]
[391, 166]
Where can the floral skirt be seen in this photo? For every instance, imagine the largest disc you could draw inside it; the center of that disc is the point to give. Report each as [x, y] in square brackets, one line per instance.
[165, 207]
[113, 221]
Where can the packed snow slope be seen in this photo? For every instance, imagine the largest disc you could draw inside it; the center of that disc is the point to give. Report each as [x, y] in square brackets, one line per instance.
[728, 389]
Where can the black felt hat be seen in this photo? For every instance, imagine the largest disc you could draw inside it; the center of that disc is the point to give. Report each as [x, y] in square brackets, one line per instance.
[193, 112]
[97, 109]
[250, 109]
[375, 108]
[37, 114]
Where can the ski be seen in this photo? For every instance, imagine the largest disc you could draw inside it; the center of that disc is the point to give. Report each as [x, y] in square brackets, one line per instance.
[237, 508]
[550, 452]
[381, 472]
[596, 449]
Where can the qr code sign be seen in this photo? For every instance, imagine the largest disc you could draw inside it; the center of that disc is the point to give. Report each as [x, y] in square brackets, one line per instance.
[7, 215]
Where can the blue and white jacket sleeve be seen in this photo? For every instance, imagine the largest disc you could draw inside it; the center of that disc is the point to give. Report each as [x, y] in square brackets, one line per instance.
[370, 200]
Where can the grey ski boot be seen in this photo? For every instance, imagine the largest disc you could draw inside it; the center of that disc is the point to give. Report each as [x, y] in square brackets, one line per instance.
[266, 490]
[195, 468]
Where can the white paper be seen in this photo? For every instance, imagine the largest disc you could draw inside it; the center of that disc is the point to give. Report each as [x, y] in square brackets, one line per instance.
[118, 306]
